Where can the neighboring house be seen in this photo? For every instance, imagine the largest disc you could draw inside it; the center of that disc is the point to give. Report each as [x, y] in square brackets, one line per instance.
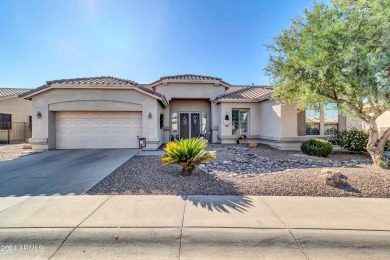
[14, 113]
[108, 112]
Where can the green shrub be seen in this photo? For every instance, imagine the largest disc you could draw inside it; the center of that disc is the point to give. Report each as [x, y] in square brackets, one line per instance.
[187, 153]
[317, 147]
[354, 140]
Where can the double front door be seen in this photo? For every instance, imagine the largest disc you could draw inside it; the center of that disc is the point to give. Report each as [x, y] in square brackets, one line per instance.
[189, 124]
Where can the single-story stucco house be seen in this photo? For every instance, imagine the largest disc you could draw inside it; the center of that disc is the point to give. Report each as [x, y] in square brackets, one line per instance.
[15, 114]
[109, 112]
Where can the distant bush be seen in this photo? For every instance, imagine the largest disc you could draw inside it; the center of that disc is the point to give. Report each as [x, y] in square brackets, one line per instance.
[317, 147]
[354, 140]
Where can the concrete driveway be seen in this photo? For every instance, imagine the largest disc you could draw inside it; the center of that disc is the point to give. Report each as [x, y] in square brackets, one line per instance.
[60, 171]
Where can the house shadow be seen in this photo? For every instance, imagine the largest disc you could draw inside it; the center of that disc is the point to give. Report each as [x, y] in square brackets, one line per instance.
[220, 203]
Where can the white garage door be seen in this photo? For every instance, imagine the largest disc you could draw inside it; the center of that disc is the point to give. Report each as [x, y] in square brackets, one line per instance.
[85, 130]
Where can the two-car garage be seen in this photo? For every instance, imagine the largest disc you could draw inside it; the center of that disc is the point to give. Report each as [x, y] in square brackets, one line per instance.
[96, 112]
[90, 130]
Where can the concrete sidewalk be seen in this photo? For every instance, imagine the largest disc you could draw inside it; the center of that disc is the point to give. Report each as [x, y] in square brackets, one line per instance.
[194, 227]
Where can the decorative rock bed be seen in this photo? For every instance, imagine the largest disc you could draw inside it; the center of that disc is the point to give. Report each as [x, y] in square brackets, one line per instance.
[247, 164]
[147, 175]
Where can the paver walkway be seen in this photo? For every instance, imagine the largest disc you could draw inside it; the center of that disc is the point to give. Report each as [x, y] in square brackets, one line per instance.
[194, 227]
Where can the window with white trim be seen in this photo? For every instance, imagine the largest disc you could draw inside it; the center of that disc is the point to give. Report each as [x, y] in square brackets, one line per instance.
[240, 121]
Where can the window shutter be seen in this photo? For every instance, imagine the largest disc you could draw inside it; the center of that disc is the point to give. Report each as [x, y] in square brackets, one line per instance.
[301, 118]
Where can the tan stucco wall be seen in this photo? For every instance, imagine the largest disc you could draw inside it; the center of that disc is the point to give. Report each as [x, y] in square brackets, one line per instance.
[207, 91]
[225, 132]
[270, 120]
[354, 122]
[96, 100]
[190, 90]
[383, 121]
[20, 108]
[193, 105]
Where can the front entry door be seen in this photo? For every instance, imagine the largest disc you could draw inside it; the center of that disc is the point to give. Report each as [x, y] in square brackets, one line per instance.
[189, 124]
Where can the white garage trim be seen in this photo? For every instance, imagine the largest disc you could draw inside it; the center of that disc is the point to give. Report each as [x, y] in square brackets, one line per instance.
[91, 130]
[95, 106]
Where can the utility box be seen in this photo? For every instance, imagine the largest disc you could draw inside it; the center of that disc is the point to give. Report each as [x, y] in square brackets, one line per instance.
[141, 142]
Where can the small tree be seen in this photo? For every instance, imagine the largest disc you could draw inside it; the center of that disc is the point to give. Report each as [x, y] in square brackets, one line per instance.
[187, 153]
[338, 53]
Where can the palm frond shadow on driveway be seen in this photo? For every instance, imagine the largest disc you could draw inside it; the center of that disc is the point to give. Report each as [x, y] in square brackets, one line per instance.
[220, 203]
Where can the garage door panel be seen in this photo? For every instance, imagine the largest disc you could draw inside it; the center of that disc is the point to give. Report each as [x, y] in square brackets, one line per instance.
[84, 130]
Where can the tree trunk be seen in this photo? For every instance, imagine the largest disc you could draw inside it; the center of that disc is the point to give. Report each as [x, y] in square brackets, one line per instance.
[376, 145]
[185, 171]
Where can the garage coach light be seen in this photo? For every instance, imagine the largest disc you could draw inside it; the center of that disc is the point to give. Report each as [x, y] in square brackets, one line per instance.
[38, 115]
[150, 115]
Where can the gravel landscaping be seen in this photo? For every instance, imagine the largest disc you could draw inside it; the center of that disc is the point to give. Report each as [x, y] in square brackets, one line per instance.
[239, 170]
[12, 151]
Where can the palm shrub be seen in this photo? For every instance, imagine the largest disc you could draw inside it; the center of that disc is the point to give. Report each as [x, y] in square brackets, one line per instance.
[187, 153]
[317, 147]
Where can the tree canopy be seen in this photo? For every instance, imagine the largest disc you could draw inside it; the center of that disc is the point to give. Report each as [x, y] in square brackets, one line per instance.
[338, 52]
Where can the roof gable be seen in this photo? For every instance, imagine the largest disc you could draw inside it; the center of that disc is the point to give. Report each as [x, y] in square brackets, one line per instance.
[190, 78]
[98, 82]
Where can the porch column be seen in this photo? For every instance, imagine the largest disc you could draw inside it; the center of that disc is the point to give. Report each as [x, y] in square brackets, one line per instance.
[213, 122]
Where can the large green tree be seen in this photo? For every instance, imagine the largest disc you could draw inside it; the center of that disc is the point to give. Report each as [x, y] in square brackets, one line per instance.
[339, 53]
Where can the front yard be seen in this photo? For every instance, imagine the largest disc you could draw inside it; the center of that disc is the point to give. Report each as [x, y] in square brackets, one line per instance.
[239, 170]
[12, 151]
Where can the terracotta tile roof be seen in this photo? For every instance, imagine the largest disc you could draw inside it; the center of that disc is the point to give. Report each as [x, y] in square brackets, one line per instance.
[234, 88]
[189, 77]
[108, 80]
[242, 92]
[149, 86]
[105, 80]
[9, 92]
[233, 92]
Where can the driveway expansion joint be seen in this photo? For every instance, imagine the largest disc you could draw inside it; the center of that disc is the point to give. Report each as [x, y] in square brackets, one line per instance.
[284, 224]
[78, 226]
[182, 223]
[16, 204]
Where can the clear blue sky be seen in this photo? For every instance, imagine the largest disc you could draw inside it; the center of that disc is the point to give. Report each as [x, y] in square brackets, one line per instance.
[138, 40]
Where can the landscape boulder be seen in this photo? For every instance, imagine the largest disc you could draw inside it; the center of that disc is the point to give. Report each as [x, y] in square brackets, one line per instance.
[252, 145]
[333, 178]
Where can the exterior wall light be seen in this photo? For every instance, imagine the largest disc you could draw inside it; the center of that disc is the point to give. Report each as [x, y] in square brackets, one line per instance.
[226, 122]
[150, 115]
[38, 115]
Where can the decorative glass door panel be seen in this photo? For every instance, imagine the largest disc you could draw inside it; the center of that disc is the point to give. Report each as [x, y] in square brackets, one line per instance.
[189, 124]
[184, 125]
[195, 125]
